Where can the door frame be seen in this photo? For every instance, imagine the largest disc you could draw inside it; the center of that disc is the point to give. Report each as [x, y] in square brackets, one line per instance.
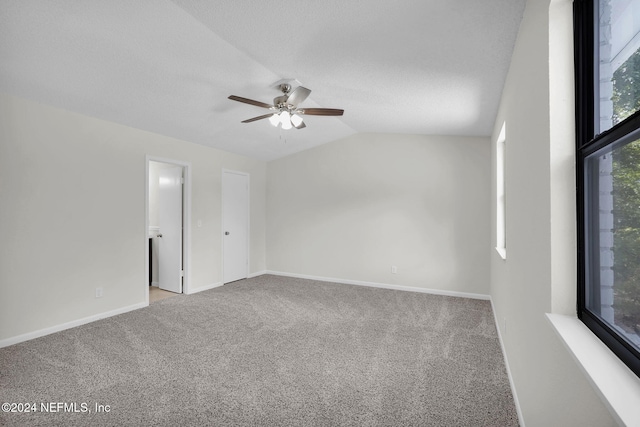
[186, 222]
[222, 198]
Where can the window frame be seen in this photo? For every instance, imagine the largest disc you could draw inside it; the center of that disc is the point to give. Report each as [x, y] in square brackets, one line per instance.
[587, 143]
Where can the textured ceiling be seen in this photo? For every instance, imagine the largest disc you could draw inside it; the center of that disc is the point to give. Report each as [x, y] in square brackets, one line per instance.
[410, 66]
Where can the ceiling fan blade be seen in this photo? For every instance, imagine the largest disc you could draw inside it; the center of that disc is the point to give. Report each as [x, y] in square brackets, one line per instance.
[298, 95]
[250, 101]
[322, 111]
[257, 118]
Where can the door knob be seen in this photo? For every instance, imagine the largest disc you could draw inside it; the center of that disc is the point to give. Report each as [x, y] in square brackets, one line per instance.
[226, 233]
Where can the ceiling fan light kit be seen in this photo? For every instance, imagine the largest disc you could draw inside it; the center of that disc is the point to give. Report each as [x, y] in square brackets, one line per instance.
[285, 108]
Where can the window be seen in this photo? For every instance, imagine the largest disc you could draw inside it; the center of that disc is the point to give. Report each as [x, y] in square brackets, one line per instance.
[607, 59]
[501, 197]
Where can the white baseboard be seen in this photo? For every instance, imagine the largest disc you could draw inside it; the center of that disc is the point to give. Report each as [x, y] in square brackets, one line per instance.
[506, 363]
[61, 327]
[57, 328]
[257, 273]
[382, 285]
[204, 288]
[217, 284]
[156, 284]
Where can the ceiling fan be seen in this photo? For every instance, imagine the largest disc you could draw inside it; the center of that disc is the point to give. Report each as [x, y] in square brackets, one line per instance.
[285, 111]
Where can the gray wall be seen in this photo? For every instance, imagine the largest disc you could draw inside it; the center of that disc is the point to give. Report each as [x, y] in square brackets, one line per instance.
[352, 208]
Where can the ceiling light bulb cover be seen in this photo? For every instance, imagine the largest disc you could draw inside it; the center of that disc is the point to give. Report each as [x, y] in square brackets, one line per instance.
[296, 120]
[275, 120]
[285, 120]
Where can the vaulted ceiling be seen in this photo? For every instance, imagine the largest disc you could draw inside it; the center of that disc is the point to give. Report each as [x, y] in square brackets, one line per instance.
[408, 66]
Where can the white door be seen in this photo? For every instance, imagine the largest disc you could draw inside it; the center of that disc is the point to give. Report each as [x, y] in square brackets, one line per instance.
[235, 226]
[170, 235]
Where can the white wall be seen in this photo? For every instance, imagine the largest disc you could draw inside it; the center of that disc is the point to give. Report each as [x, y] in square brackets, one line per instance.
[352, 208]
[538, 275]
[72, 219]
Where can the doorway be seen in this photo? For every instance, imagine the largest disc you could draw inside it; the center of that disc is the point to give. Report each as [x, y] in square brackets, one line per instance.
[235, 226]
[167, 227]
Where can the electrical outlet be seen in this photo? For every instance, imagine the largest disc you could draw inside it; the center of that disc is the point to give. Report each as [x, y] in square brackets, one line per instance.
[394, 269]
[98, 292]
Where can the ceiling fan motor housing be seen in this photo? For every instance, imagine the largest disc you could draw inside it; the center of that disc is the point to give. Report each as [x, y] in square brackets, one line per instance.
[280, 101]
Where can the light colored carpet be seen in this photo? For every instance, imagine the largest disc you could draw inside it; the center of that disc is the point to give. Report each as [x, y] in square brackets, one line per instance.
[272, 351]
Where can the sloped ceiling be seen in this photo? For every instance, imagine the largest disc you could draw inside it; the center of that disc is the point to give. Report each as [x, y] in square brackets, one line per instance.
[409, 66]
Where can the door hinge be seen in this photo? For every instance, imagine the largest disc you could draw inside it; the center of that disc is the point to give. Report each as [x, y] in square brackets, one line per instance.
[181, 180]
[181, 273]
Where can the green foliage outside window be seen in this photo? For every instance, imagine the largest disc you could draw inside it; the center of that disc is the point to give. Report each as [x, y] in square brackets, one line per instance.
[626, 201]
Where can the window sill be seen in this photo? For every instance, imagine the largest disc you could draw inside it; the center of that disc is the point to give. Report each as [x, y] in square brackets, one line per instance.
[502, 252]
[617, 385]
